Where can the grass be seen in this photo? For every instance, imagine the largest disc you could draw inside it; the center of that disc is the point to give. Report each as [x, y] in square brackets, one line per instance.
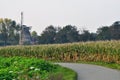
[21, 68]
[65, 74]
[71, 75]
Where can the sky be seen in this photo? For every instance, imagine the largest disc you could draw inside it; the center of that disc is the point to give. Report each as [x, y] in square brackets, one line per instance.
[84, 14]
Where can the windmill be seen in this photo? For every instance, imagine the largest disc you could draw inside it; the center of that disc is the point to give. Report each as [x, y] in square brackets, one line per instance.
[25, 36]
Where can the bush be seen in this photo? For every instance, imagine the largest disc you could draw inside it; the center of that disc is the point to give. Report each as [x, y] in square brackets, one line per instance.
[25, 68]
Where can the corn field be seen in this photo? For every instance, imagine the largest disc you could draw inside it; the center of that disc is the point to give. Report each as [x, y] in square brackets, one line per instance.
[105, 51]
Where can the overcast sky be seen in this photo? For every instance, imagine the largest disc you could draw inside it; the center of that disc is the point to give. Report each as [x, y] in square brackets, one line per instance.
[87, 14]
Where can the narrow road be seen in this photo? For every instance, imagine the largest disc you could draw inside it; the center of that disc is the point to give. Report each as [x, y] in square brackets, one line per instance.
[93, 72]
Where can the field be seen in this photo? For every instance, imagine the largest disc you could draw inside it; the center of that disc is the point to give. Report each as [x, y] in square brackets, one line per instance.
[19, 68]
[104, 51]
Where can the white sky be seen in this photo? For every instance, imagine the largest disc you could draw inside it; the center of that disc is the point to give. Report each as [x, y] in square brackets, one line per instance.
[88, 14]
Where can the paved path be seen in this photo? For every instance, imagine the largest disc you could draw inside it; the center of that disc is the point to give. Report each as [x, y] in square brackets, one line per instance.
[93, 72]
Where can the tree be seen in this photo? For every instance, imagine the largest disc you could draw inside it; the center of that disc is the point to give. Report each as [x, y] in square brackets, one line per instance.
[48, 35]
[34, 37]
[103, 33]
[93, 36]
[5, 23]
[17, 33]
[7, 29]
[85, 36]
[115, 30]
[69, 33]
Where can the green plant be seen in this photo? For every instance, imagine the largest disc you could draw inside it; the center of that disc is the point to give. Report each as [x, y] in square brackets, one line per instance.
[21, 68]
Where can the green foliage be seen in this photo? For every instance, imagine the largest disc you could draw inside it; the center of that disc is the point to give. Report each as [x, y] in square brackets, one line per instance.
[34, 37]
[18, 67]
[109, 32]
[8, 28]
[48, 35]
[52, 35]
[115, 30]
[104, 33]
[21, 68]
[69, 33]
[86, 36]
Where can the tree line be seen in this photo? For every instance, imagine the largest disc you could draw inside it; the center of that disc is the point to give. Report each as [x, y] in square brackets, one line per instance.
[9, 33]
[69, 34]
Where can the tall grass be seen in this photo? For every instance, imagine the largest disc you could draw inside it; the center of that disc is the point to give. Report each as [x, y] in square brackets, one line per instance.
[106, 51]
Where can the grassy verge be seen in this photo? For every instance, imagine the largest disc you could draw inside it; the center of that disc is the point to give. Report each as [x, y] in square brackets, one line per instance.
[21, 68]
[69, 74]
[64, 74]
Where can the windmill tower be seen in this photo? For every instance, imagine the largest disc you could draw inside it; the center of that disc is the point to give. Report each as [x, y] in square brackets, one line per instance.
[25, 36]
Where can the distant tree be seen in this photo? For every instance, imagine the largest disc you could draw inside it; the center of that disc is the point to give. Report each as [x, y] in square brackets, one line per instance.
[34, 37]
[17, 32]
[34, 34]
[115, 30]
[93, 36]
[12, 33]
[48, 35]
[61, 37]
[85, 36]
[7, 29]
[69, 33]
[5, 24]
[103, 33]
